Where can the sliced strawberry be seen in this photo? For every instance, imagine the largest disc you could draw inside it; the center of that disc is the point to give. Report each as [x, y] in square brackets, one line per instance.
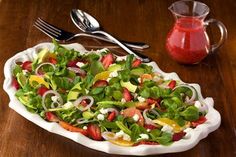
[72, 63]
[126, 94]
[94, 132]
[201, 120]
[136, 63]
[107, 60]
[178, 136]
[100, 83]
[52, 60]
[172, 84]
[151, 101]
[27, 65]
[51, 117]
[41, 90]
[131, 111]
[72, 128]
[111, 116]
[149, 126]
[146, 143]
[15, 83]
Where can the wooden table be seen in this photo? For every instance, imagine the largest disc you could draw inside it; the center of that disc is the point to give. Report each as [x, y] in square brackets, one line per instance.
[134, 20]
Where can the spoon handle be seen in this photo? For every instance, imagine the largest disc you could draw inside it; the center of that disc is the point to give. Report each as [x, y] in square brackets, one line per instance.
[138, 55]
[136, 45]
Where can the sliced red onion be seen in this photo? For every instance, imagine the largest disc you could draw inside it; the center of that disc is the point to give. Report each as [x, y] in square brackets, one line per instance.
[147, 120]
[194, 94]
[80, 99]
[82, 121]
[113, 109]
[155, 112]
[77, 70]
[60, 100]
[46, 63]
[107, 135]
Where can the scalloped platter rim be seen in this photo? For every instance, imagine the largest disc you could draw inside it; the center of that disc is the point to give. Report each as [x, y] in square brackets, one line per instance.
[200, 132]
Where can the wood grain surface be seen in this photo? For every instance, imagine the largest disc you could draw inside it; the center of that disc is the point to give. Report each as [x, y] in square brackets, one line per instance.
[134, 20]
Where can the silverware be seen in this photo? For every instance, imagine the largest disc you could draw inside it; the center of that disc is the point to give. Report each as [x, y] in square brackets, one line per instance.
[62, 35]
[89, 24]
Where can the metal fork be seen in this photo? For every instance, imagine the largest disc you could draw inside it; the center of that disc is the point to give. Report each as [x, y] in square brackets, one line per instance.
[62, 35]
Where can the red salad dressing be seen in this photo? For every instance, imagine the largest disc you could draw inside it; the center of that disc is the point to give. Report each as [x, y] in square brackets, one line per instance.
[188, 42]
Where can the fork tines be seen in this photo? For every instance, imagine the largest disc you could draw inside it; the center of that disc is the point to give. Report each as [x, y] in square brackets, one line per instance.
[47, 28]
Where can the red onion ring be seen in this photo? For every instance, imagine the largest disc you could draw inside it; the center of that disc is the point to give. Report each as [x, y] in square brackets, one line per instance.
[194, 94]
[77, 70]
[80, 99]
[82, 121]
[60, 103]
[46, 63]
[147, 120]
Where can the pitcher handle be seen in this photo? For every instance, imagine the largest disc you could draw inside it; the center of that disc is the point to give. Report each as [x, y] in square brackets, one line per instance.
[223, 32]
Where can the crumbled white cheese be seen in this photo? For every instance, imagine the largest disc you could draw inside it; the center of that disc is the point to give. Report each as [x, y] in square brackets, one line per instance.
[135, 95]
[54, 98]
[187, 131]
[100, 117]
[119, 59]
[119, 134]
[122, 134]
[141, 99]
[86, 91]
[126, 137]
[167, 128]
[85, 127]
[79, 64]
[24, 72]
[148, 130]
[143, 137]
[113, 74]
[108, 79]
[123, 100]
[68, 105]
[136, 117]
[103, 111]
[139, 80]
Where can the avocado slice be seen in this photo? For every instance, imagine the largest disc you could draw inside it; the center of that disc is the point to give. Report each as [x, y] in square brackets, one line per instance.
[132, 88]
[21, 79]
[137, 71]
[114, 67]
[73, 93]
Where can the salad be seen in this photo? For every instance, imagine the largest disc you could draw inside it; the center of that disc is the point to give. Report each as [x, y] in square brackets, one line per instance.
[107, 98]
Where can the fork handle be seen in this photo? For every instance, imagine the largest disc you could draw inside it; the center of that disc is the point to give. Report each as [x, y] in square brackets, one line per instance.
[136, 45]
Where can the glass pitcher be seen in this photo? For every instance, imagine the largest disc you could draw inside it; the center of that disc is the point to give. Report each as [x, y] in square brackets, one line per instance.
[188, 42]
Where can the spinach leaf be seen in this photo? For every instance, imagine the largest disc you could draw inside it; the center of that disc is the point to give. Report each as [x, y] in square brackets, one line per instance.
[190, 114]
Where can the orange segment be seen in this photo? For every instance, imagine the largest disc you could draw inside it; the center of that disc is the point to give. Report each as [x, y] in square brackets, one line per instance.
[38, 79]
[167, 121]
[122, 142]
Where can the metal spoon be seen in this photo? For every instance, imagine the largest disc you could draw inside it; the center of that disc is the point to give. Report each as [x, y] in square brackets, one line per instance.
[89, 24]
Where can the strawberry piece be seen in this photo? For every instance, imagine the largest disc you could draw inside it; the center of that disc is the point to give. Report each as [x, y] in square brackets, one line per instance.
[178, 136]
[172, 84]
[100, 83]
[107, 60]
[41, 90]
[72, 63]
[72, 128]
[201, 120]
[149, 126]
[52, 60]
[27, 65]
[126, 94]
[51, 117]
[111, 116]
[94, 132]
[136, 63]
[15, 84]
[131, 111]
[146, 143]
[151, 101]
[84, 103]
